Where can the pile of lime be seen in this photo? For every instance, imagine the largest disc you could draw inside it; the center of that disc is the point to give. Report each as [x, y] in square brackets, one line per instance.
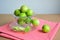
[24, 15]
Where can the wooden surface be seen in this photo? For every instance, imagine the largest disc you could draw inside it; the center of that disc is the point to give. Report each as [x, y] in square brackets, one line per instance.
[5, 18]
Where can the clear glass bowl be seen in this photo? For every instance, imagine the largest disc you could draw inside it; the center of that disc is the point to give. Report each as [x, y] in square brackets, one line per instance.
[15, 24]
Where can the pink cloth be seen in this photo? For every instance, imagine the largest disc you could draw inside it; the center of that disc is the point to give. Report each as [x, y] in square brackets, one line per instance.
[36, 34]
[8, 36]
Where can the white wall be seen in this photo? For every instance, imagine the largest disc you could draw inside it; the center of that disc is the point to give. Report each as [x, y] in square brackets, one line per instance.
[38, 6]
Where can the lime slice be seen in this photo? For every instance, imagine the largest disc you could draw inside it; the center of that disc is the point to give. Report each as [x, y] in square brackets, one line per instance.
[16, 28]
[22, 28]
[27, 29]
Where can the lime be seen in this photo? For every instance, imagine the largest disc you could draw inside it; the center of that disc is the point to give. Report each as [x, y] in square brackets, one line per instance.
[21, 22]
[28, 20]
[16, 28]
[17, 12]
[21, 28]
[29, 12]
[35, 22]
[24, 8]
[46, 28]
[22, 15]
[22, 18]
[27, 29]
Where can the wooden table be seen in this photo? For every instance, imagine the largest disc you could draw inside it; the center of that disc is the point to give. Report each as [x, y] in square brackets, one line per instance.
[5, 18]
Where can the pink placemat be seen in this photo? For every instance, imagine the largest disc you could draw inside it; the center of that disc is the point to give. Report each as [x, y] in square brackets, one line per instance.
[8, 36]
[36, 34]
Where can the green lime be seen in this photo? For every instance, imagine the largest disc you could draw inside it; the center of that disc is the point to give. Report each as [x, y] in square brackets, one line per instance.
[17, 12]
[29, 12]
[16, 28]
[46, 28]
[21, 22]
[22, 15]
[35, 22]
[24, 8]
[22, 18]
[28, 20]
[22, 28]
[27, 29]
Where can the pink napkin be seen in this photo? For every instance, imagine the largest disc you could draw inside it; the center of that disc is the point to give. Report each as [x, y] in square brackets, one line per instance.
[36, 34]
[8, 36]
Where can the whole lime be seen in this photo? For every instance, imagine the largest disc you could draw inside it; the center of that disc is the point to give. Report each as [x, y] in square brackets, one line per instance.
[22, 18]
[28, 20]
[17, 12]
[46, 28]
[21, 22]
[35, 22]
[22, 15]
[24, 8]
[29, 12]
